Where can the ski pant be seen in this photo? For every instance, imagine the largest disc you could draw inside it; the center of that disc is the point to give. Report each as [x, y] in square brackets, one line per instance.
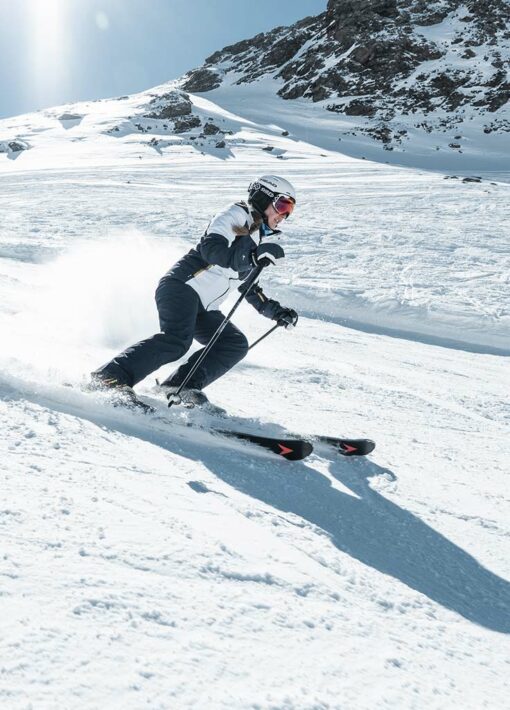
[182, 318]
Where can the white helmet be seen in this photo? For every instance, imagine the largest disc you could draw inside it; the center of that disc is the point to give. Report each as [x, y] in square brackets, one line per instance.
[267, 189]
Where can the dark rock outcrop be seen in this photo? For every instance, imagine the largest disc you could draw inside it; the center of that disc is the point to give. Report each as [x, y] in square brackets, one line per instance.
[170, 105]
[14, 148]
[210, 129]
[17, 146]
[201, 80]
[181, 125]
[374, 59]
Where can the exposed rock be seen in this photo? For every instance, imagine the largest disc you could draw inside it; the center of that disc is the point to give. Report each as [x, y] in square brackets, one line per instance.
[302, 67]
[283, 50]
[346, 17]
[210, 129]
[359, 108]
[381, 133]
[17, 146]
[372, 59]
[497, 99]
[220, 144]
[202, 80]
[171, 105]
[497, 79]
[433, 19]
[500, 126]
[181, 125]
[293, 91]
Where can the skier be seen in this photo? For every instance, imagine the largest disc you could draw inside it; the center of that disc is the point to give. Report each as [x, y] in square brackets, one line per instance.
[189, 295]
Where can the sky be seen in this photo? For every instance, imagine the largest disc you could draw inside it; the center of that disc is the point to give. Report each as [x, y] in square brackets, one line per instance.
[59, 51]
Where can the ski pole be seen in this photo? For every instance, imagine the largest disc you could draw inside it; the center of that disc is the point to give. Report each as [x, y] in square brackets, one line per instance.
[174, 398]
[264, 336]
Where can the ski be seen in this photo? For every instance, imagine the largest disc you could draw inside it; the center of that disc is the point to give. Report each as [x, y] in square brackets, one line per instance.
[298, 448]
[348, 447]
[295, 448]
[291, 449]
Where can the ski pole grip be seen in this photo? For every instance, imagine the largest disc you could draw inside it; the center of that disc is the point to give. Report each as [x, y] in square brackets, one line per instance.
[255, 273]
[174, 398]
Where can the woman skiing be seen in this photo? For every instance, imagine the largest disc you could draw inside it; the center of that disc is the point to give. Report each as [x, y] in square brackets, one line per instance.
[189, 295]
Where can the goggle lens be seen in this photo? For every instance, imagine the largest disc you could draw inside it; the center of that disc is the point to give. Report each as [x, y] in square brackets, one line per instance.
[284, 205]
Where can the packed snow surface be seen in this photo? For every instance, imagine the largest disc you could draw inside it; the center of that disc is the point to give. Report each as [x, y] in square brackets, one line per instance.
[148, 563]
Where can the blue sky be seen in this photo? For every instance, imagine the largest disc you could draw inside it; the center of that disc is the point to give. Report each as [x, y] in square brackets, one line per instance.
[56, 51]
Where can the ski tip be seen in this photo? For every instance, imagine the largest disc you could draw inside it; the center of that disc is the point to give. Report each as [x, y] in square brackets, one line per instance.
[295, 450]
[356, 447]
[291, 449]
[349, 447]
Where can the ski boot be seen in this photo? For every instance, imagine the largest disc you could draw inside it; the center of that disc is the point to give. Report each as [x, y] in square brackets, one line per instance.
[188, 397]
[191, 398]
[121, 394]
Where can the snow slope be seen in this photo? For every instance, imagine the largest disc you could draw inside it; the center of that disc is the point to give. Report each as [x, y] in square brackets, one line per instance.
[393, 250]
[145, 563]
[426, 149]
[405, 82]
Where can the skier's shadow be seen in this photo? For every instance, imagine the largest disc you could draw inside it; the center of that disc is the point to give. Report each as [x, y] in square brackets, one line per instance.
[366, 525]
[380, 534]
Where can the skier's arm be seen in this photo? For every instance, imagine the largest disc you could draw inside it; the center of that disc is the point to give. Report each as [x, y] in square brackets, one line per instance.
[268, 307]
[215, 249]
[222, 247]
[256, 298]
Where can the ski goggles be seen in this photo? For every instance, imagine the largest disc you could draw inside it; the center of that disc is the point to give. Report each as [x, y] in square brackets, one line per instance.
[284, 205]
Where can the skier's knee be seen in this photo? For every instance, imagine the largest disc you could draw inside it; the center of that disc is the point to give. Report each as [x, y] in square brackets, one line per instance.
[181, 350]
[242, 345]
[183, 347]
[180, 346]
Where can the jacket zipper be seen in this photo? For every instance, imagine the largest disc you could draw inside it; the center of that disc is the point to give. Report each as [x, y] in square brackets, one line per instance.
[218, 297]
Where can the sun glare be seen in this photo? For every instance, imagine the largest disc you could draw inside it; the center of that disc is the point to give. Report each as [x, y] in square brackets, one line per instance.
[48, 50]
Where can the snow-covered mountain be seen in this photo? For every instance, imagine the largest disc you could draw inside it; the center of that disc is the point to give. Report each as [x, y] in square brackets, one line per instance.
[145, 562]
[414, 77]
[408, 83]
[383, 58]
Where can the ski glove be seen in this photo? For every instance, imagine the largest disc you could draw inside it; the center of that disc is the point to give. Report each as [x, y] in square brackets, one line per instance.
[266, 254]
[285, 316]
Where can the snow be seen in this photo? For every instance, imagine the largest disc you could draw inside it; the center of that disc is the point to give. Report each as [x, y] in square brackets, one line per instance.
[310, 122]
[391, 250]
[471, 138]
[145, 562]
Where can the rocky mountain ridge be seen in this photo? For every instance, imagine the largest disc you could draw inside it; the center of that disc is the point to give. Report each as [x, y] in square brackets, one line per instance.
[441, 62]
[427, 81]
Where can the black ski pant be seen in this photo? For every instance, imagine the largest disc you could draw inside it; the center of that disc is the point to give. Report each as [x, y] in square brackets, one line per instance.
[182, 318]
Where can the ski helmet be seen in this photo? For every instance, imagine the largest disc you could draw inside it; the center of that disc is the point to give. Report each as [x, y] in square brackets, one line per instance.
[267, 189]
